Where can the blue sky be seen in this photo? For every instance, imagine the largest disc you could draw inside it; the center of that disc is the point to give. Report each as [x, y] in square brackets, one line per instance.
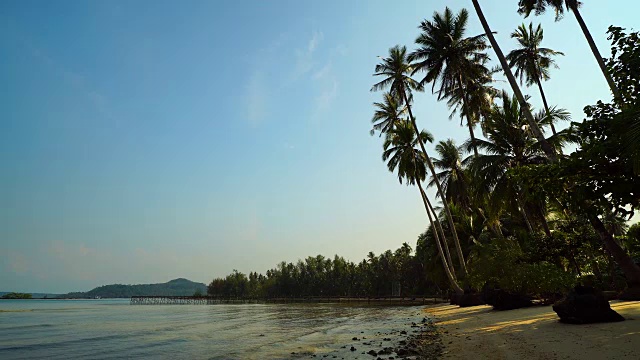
[147, 140]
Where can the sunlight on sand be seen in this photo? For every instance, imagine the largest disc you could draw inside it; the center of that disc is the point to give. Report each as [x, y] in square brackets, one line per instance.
[535, 333]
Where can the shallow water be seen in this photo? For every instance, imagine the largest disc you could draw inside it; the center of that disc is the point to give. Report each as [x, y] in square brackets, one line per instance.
[113, 329]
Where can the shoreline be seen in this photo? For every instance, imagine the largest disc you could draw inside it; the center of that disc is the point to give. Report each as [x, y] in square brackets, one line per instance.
[533, 333]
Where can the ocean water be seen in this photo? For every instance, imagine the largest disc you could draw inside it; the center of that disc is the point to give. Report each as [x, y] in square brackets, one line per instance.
[113, 329]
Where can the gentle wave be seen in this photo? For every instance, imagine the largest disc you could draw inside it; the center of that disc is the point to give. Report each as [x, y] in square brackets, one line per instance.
[92, 330]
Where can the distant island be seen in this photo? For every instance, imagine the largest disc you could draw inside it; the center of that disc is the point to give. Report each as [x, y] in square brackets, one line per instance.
[15, 295]
[177, 287]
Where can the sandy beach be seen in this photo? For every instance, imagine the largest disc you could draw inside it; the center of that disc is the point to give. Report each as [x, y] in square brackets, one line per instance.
[535, 333]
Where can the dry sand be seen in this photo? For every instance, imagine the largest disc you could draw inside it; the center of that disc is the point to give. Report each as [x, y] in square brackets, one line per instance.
[535, 333]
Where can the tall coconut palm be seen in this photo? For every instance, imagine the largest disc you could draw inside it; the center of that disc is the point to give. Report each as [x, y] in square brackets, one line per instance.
[454, 178]
[553, 115]
[509, 144]
[540, 6]
[408, 162]
[449, 58]
[452, 175]
[531, 61]
[479, 92]
[396, 71]
[387, 114]
[535, 129]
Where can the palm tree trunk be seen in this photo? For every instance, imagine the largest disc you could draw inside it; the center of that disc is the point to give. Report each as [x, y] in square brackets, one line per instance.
[524, 214]
[466, 114]
[543, 218]
[546, 147]
[463, 266]
[447, 271]
[629, 267]
[444, 237]
[546, 106]
[596, 54]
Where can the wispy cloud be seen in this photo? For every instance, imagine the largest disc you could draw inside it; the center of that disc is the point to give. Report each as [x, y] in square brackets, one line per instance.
[323, 72]
[305, 56]
[311, 70]
[326, 96]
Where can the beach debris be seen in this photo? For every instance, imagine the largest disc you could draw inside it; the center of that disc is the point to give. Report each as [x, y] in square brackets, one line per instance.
[372, 353]
[355, 339]
[403, 332]
[353, 348]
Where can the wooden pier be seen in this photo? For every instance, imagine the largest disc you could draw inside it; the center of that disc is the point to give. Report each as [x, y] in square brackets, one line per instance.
[213, 300]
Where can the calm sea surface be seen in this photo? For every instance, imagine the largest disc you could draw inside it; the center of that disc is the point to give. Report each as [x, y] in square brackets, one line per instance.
[113, 329]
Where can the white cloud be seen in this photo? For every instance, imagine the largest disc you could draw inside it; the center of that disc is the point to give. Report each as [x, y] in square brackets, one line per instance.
[322, 73]
[304, 57]
[315, 39]
[328, 93]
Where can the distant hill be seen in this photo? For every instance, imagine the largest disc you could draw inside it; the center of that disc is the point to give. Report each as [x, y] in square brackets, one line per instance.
[177, 287]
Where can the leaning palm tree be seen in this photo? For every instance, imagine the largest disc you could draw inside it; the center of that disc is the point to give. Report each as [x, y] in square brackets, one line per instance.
[452, 175]
[388, 113]
[539, 6]
[535, 129]
[531, 61]
[450, 59]
[509, 145]
[408, 162]
[396, 71]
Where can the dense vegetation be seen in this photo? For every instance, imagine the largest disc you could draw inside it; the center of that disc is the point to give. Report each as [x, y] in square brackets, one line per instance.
[514, 210]
[177, 287]
[320, 276]
[15, 295]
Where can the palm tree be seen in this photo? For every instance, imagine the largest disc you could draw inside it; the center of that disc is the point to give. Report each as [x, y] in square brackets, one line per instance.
[396, 71]
[553, 115]
[449, 58]
[479, 93]
[509, 144]
[535, 129]
[531, 61]
[452, 175]
[402, 157]
[455, 181]
[387, 114]
[539, 6]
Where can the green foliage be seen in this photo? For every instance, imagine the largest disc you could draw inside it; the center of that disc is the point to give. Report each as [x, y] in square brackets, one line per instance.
[632, 241]
[320, 276]
[600, 173]
[15, 295]
[502, 262]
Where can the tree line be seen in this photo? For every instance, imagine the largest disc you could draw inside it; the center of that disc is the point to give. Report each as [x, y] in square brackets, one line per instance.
[374, 276]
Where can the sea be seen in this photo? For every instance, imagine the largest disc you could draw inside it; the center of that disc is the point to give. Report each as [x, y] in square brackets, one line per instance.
[114, 329]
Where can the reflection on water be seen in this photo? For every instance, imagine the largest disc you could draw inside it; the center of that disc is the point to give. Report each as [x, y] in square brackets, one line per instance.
[113, 329]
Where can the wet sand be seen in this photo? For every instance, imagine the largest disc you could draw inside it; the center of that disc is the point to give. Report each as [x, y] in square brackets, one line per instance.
[534, 333]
